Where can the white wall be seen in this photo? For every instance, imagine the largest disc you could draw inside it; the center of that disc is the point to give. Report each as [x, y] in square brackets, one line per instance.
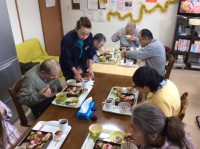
[14, 21]
[161, 24]
[30, 19]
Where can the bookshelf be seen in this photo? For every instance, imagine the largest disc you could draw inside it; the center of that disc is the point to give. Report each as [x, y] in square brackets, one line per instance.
[186, 43]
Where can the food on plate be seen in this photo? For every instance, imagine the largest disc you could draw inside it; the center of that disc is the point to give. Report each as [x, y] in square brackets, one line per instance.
[73, 91]
[117, 139]
[106, 145]
[124, 106]
[36, 140]
[123, 97]
[128, 36]
[72, 101]
[116, 89]
[102, 58]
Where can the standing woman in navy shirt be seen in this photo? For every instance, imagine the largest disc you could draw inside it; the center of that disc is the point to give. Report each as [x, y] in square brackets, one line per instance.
[76, 51]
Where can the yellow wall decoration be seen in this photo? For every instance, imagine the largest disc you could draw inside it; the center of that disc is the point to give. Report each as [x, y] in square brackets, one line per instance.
[142, 10]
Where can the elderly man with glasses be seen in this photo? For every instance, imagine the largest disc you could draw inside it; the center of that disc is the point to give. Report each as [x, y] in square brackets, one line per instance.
[127, 35]
[152, 51]
[39, 86]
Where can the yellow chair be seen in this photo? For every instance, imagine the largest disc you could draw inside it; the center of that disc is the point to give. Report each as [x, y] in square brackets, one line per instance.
[32, 51]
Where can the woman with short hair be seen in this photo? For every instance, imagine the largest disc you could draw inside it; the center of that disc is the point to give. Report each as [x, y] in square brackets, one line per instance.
[159, 91]
[98, 41]
[76, 50]
[151, 129]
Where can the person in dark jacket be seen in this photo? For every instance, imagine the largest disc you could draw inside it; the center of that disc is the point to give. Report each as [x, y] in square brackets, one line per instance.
[76, 51]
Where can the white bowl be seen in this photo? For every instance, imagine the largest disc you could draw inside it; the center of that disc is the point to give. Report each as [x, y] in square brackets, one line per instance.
[71, 82]
[124, 106]
[128, 145]
[57, 137]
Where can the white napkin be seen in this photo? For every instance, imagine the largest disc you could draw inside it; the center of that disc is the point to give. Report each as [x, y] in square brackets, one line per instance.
[85, 105]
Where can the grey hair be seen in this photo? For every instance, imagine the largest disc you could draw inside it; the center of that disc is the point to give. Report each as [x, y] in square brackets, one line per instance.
[131, 25]
[149, 118]
[48, 65]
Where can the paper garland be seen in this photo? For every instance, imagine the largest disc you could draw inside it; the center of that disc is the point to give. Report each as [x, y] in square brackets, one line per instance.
[142, 10]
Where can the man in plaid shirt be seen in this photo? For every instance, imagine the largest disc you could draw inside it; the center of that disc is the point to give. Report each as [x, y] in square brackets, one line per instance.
[11, 134]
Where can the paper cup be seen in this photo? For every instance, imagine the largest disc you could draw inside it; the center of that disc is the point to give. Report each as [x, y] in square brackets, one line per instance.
[63, 124]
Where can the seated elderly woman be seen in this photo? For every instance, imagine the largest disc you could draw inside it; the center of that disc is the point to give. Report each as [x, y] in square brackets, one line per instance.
[160, 92]
[8, 133]
[151, 129]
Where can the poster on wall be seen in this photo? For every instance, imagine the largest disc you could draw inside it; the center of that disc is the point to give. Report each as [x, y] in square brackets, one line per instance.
[124, 5]
[102, 4]
[50, 3]
[92, 4]
[96, 15]
[83, 4]
[151, 1]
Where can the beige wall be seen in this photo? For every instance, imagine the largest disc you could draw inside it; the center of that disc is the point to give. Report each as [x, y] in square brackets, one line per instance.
[161, 24]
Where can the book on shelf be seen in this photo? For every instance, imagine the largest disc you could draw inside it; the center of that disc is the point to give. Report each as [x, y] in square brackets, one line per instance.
[182, 45]
[195, 48]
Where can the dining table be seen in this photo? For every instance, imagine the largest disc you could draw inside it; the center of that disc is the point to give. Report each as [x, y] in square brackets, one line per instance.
[103, 82]
[115, 68]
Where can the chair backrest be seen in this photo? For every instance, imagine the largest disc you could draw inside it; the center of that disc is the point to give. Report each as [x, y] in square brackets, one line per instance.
[184, 104]
[13, 93]
[169, 67]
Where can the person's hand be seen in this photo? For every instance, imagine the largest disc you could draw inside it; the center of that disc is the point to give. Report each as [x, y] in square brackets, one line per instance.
[101, 51]
[119, 34]
[2, 111]
[91, 74]
[133, 38]
[45, 92]
[123, 53]
[128, 137]
[78, 77]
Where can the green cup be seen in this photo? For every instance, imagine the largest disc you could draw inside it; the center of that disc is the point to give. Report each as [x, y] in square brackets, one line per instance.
[95, 131]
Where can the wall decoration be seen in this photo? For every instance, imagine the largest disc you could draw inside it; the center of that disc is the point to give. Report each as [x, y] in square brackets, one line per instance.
[143, 9]
[151, 1]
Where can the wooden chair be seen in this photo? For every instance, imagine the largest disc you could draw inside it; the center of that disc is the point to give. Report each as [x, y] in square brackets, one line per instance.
[22, 116]
[170, 59]
[184, 104]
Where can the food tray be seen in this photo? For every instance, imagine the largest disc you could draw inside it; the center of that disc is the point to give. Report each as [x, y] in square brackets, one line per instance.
[129, 63]
[116, 109]
[89, 144]
[115, 145]
[51, 126]
[33, 133]
[82, 97]
[72, 95]
[110, 62]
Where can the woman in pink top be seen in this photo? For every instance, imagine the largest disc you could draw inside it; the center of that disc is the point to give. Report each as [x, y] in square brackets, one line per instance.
[8, 133]
[151, 129]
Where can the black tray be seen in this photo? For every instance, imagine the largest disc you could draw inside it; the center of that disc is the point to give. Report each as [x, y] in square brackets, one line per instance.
[106, 142]
[72, 95]
[46, 143]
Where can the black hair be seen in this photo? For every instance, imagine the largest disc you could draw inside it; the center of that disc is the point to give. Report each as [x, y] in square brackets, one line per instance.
[99, 37]
[83, 22]
[45, 67]
[149, 77]
[150, 120]
[145, 33]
